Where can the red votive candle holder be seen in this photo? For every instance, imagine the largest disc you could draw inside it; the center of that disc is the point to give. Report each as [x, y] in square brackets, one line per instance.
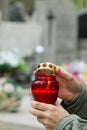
[45, 86]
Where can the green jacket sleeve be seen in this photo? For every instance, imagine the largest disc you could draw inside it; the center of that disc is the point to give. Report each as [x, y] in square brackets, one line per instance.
[72, 122]
[77, 120]
[80, 106]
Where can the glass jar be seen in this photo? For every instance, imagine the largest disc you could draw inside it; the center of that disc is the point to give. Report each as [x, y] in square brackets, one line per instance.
[45, 86]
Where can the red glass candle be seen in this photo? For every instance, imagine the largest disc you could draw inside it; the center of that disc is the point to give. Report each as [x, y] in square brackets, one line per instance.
[45, 86]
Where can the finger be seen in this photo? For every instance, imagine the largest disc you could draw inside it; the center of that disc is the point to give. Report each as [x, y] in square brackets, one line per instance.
[47, 123]
[40, 106]
[42, 120]
[36, 112]
[61, 73]
[33, 72]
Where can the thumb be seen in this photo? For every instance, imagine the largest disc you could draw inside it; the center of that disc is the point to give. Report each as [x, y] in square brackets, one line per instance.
[61, 73]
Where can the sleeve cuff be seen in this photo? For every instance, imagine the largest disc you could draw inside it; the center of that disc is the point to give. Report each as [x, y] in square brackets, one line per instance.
[65, 121]
[79, 102]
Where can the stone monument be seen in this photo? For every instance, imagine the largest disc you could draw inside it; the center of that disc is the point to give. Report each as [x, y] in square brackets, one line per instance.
[23, 36]
[59, 30]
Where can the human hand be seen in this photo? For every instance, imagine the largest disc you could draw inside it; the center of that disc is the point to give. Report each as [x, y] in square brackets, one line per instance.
[47, 114]
[69, 87]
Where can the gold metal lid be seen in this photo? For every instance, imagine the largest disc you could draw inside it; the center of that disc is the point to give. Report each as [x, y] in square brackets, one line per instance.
[46, 68]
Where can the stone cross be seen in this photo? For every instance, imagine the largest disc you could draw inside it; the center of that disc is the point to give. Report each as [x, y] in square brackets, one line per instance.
[59, 36]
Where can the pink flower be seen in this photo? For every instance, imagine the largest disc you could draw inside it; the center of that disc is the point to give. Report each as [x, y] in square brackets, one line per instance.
[9, 88]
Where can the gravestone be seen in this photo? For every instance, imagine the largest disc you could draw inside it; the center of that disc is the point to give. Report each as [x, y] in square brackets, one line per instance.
[23, 36]
[82, 33]
[60, 39]
[82, 22]
[66, 33]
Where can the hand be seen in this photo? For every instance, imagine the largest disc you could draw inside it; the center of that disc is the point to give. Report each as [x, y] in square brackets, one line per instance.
[69, 87]
[48, 114]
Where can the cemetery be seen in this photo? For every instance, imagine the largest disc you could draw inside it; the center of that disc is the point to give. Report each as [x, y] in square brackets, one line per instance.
[57, 33]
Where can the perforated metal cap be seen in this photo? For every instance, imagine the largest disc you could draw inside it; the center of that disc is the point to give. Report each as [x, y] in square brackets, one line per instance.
[46, 68]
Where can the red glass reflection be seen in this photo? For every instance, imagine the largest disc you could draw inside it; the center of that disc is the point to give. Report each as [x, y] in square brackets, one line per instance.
[45, 89]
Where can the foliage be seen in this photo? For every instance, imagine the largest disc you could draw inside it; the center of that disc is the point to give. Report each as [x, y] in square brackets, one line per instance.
[11, 62]
[80, 3]
[29, 4]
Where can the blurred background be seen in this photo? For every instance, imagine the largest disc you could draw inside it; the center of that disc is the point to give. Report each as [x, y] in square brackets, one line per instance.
[34, 31]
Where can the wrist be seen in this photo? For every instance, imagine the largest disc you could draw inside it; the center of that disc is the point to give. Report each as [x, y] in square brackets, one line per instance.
[77, 94]
[70, 103]
[67, 104]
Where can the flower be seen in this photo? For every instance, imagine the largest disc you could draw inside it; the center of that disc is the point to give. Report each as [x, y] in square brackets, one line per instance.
[78, 68]
[10, 95]
[9, 88]
[11, 62]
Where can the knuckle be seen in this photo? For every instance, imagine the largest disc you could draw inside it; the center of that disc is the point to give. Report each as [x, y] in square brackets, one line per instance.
[33, 112]
[51, 108]
[48, 115]
[36, 104]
